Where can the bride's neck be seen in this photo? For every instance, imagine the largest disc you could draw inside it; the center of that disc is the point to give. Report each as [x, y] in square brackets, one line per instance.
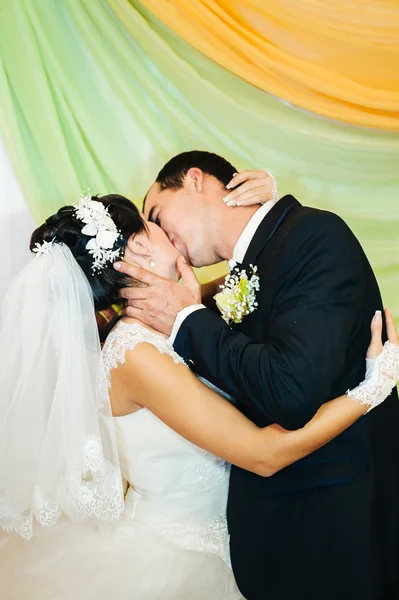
[133, 321]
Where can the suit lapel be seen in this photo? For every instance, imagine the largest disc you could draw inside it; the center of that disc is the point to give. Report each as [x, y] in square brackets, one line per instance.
[268, 227]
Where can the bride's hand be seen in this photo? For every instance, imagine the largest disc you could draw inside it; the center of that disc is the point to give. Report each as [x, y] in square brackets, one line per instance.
[376, 346]
[382, 364]
[251, 187]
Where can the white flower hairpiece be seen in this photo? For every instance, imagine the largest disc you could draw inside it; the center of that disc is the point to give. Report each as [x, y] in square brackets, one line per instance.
[101, 228]
[43, 248]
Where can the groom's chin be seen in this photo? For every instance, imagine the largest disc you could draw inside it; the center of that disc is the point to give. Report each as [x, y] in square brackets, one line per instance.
[197, 260]
[208, 264]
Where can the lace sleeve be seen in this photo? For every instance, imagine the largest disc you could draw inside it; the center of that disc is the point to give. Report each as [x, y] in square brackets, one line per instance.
[125, 337]
[382, 375]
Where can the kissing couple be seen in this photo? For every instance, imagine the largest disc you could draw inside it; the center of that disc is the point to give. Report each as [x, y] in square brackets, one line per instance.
[115, 476]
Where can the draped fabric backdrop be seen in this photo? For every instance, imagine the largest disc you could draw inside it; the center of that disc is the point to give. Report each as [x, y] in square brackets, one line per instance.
[99, 94]
[16, 224]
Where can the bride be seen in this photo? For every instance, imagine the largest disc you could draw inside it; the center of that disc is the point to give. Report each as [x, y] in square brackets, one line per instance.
[114, 464]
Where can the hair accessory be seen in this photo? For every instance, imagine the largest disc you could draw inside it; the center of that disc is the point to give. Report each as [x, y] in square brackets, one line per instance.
[101, 228]
[43, 248]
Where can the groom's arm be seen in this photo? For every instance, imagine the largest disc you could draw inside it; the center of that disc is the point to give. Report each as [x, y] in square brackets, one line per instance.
[315, 312]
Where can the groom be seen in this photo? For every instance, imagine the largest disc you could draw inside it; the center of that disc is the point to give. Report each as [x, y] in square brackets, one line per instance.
[327, 527]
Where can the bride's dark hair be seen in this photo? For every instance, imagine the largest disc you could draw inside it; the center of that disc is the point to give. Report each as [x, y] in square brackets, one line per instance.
[65, 227]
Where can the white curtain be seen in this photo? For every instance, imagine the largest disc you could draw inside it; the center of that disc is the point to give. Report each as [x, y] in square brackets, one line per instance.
[16, 224]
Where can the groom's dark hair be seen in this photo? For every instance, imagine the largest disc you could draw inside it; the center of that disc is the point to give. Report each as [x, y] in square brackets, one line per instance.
[172, 175]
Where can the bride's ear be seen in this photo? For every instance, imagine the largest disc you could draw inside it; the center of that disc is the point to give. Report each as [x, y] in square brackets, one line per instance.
[139, 244]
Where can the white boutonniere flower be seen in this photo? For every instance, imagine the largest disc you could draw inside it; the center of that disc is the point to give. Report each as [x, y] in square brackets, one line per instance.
[238, 295]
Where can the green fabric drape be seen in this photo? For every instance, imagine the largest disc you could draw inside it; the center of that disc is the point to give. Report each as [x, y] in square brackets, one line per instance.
[97, 95]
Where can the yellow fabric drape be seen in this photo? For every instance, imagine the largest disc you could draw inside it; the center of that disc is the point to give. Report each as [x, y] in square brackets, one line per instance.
[334, 58]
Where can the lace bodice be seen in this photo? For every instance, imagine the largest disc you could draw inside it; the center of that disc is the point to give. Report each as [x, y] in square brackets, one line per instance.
[176, 488]
[125, 337]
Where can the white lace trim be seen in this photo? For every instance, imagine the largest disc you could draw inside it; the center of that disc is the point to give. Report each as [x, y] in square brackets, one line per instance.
[125, 337]
[212, 538]
[98, 495]
[205, 469]
[382, 375]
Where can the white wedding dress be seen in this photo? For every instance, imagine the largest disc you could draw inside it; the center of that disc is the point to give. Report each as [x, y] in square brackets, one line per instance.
[172, 541]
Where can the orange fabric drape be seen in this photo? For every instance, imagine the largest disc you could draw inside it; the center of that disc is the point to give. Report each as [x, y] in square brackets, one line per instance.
[335, 58]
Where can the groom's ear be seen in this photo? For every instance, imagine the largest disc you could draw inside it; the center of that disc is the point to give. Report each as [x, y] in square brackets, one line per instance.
[195, 180]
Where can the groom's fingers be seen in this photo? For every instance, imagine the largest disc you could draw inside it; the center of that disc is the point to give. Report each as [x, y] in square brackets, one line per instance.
[391, 328]
[137, 273]
[134, 293]
[189, 279]
[138, 304]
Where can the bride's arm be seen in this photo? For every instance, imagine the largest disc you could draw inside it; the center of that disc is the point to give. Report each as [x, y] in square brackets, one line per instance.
[180, 400]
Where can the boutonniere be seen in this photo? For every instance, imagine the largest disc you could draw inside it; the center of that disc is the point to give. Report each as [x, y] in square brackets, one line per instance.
[238, 295]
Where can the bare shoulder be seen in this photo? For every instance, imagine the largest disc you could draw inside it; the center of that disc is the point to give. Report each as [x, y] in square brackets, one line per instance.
[151, 378]
[145, 357]
[145, 372]
[148, 367]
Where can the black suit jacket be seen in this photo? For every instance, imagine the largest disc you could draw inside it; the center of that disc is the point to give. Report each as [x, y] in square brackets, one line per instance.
[327, 527]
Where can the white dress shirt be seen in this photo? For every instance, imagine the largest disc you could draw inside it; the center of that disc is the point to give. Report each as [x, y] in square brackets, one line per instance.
[239, 253]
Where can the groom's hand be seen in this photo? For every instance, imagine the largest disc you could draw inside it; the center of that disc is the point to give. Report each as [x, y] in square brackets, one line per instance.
[158, 303]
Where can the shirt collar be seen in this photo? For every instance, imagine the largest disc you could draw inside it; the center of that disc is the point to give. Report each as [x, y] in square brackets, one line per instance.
[248, 233]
